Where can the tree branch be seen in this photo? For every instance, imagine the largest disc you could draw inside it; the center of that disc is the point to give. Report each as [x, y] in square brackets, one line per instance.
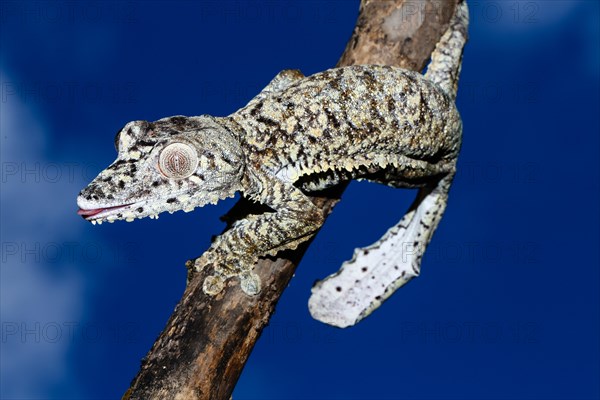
[201, 352]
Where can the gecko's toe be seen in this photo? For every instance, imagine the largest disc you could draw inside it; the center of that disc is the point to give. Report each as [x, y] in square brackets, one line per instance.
[213, 284]
[197, 264]
[202, 262]
[250, 283]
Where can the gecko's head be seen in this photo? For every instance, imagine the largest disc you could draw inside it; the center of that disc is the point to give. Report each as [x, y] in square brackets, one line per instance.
[172, 164]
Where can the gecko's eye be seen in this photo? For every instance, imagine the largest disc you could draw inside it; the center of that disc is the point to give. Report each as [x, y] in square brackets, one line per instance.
[178, 161]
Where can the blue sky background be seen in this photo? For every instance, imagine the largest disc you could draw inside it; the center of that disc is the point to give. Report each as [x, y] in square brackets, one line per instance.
[507, 305]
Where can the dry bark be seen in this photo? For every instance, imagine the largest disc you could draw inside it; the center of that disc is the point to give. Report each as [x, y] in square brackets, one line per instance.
[201, 352]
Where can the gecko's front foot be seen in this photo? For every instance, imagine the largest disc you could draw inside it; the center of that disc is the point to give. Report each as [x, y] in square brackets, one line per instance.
[224, 269]
[213, 284]
[249, 282]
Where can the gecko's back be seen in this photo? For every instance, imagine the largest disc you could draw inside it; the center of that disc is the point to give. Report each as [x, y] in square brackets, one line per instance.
[352, 117]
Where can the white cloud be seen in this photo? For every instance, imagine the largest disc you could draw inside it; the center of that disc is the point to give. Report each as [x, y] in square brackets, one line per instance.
[41, 291]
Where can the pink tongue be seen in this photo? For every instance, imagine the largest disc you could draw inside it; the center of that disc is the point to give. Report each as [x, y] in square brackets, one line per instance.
[87, 213]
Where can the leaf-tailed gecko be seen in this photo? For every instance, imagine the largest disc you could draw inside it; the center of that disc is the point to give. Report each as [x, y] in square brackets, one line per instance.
[301, 135]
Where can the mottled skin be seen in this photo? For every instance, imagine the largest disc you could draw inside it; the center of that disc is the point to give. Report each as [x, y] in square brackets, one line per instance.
[300, 134]
[362, 119]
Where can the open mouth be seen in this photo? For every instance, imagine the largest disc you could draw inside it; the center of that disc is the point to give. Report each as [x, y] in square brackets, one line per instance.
[88, 214]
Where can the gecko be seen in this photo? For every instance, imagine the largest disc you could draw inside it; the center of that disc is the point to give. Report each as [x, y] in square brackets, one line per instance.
[298, 136]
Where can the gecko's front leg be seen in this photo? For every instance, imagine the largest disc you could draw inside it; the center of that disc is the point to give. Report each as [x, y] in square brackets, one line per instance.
[235, 252]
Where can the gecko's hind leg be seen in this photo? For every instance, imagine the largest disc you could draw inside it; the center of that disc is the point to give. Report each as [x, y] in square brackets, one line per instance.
[375, 272]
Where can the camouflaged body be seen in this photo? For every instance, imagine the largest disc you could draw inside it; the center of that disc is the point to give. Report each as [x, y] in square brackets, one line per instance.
[379, 123]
